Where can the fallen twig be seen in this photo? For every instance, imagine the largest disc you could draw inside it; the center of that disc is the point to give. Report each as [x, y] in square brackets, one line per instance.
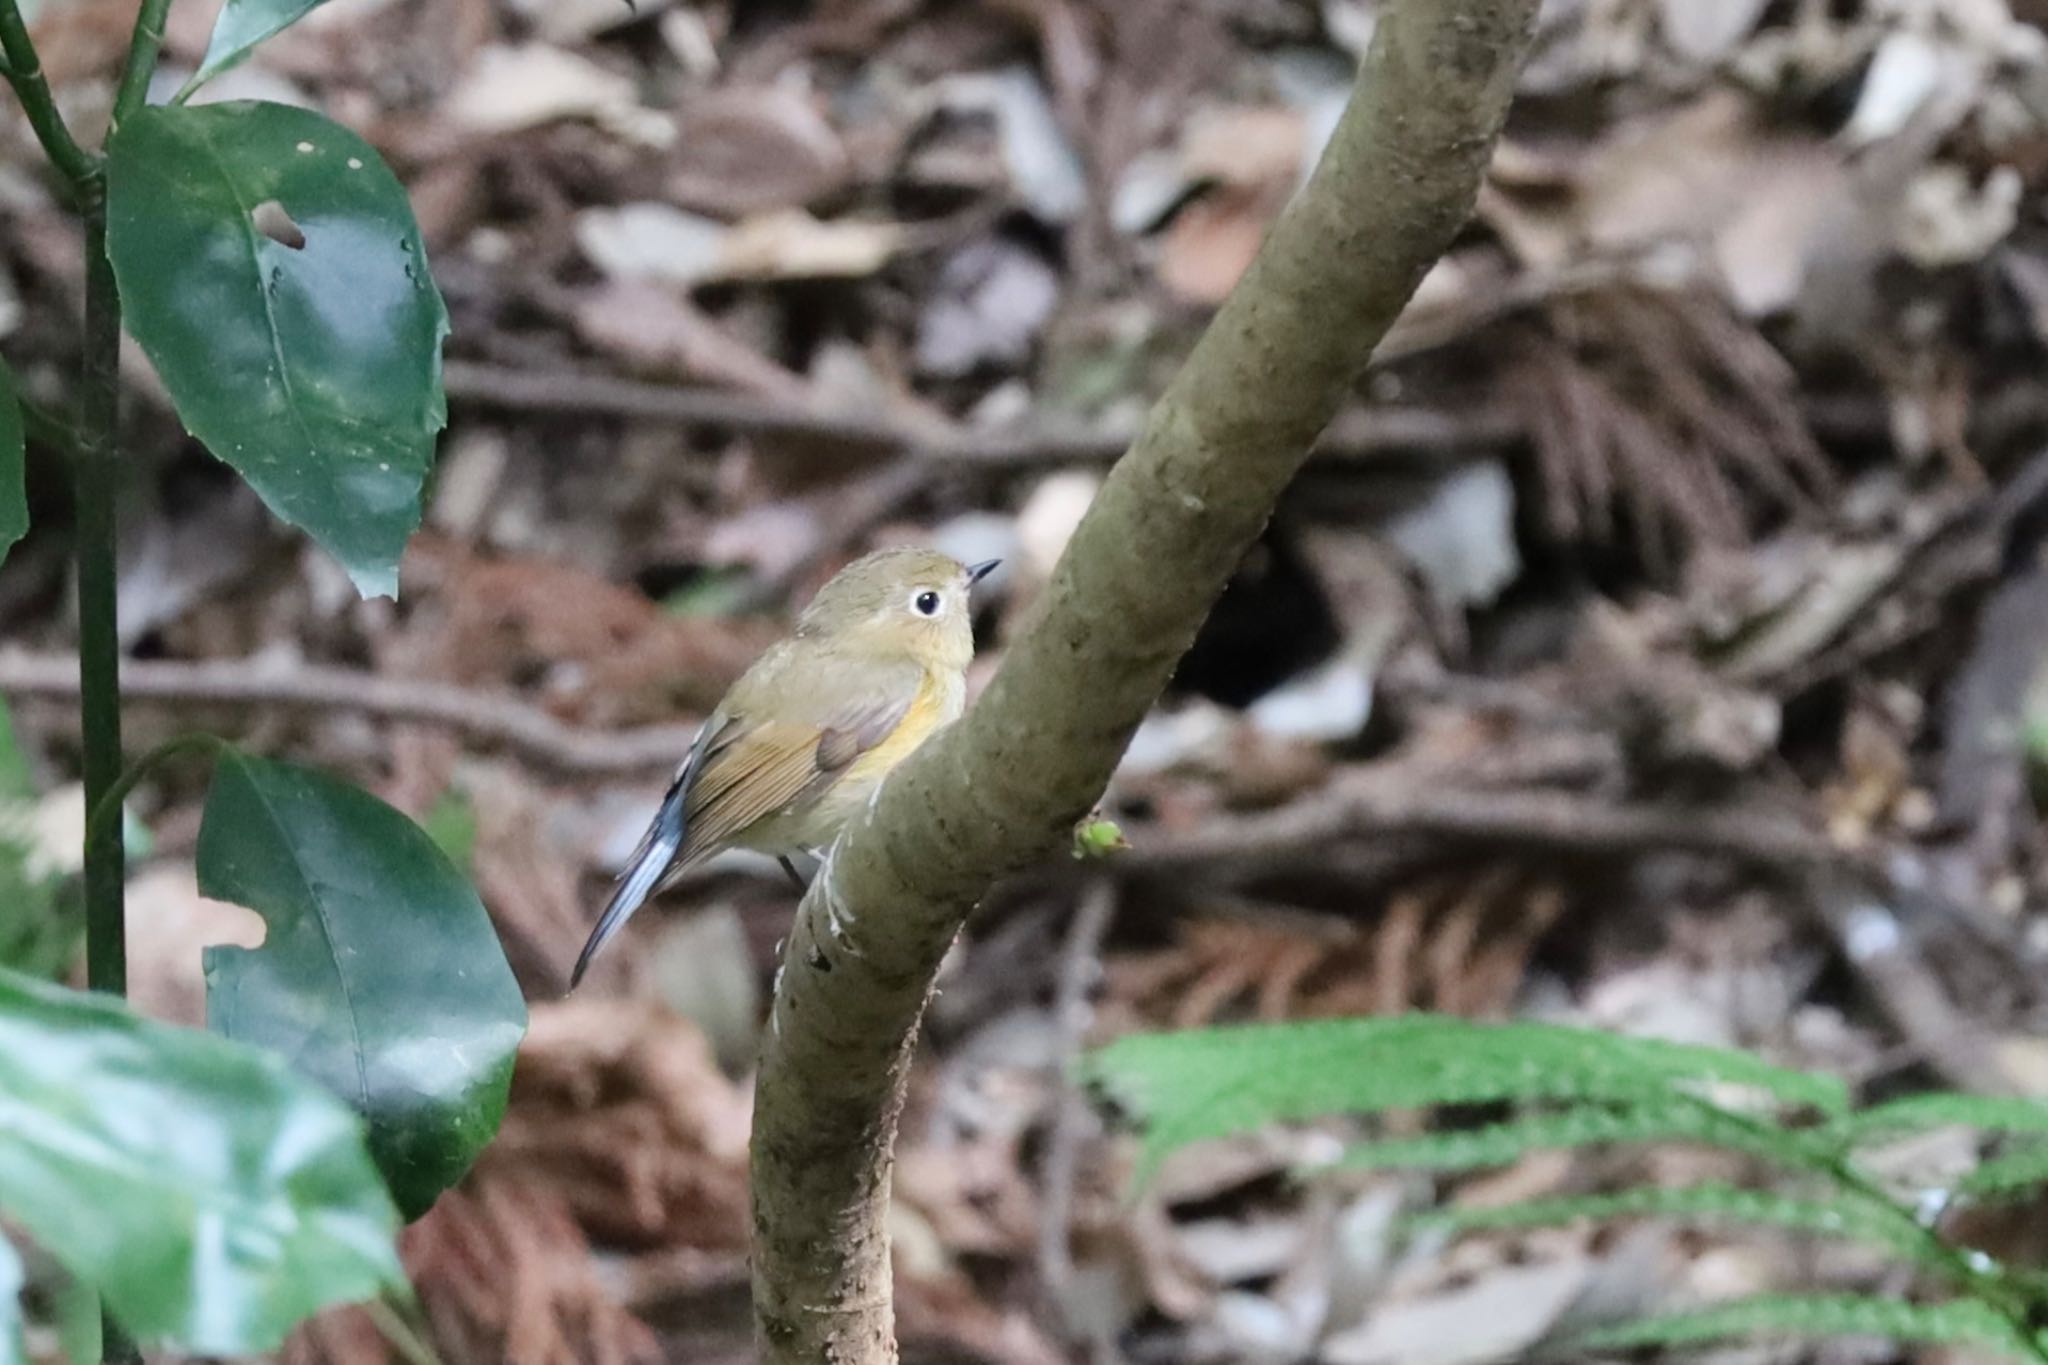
[313, 687]
[1389, 803]
[1080, 965]
[1371, 433]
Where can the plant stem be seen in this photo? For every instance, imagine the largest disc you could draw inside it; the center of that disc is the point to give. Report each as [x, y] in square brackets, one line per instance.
[102, 819]
[46, 428]
[143, 45]
[99, 650]
[24, 71]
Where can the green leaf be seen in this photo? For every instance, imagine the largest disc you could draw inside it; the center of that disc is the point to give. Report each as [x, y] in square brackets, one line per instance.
[1963, 1322]
[2009, 1175]
[13, 1349]
[13, 463]
[1709, 1202]
[40, 923]
[313, 369]
[241, 26]
[1918, 1113]
[1213, 1082]
[75, 1317]
[451, 824]
[381, 975]
[214, 1198]
[1498, 1144]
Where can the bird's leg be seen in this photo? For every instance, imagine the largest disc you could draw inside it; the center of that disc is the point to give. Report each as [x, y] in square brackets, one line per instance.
[795, 878]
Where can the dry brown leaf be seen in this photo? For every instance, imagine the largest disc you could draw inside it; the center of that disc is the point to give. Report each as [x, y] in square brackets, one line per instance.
[1212, 241]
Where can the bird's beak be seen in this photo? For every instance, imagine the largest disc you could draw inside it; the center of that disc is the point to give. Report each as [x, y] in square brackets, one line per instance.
[977, 572]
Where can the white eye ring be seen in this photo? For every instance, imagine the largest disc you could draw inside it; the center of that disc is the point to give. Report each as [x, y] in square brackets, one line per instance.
[926, 602]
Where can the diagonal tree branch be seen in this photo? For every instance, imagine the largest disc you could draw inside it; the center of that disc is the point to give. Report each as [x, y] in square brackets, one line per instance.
[1003, 787]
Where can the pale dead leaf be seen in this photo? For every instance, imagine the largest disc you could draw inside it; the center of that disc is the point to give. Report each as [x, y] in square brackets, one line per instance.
[509, 88]
[792, 244]
[650, 241]
[1496, 1316]
[1703, 34]
[1244, 145]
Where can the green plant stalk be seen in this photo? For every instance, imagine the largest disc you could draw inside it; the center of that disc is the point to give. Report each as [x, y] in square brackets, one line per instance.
[103, 817]
[24, 71]
[99, 646]
[143, 46]
[99, 651]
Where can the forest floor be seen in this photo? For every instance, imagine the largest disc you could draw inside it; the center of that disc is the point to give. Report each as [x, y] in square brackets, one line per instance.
[1655, 643]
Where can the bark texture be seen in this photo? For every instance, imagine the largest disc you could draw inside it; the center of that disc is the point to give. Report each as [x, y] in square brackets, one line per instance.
[1004, 786]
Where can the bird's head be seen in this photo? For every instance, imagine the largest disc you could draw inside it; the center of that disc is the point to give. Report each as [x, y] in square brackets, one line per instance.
[907, 602]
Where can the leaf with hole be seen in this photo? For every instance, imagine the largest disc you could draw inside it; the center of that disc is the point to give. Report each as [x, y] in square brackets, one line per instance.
[380, 976]
[270, 267]
[241, 25]
[13, 461]
[227, 1198]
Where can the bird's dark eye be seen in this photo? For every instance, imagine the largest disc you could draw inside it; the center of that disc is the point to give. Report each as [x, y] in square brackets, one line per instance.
[926, 603]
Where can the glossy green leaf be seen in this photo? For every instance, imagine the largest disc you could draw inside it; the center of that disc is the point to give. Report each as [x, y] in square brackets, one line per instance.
[213, 1197]
[13, 460]
[381, 974]
[270, 266]
[243, 24]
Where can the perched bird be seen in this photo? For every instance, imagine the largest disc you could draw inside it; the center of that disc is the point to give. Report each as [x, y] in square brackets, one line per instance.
[878, 662]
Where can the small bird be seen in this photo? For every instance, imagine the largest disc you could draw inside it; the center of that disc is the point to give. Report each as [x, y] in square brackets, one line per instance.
[877, 664]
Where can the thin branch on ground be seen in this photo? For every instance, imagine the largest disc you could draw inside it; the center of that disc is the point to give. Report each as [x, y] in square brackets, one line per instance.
[1080, 967]
[1369, 434]
[478, 715]
[1386, 804]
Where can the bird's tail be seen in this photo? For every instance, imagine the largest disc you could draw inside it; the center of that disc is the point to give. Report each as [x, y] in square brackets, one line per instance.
[644, 871]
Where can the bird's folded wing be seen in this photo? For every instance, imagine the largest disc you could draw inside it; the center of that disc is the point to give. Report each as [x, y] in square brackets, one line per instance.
[755, 768]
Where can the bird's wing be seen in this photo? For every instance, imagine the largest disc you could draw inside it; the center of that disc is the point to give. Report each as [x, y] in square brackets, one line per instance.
[740, 769]
[755, 768]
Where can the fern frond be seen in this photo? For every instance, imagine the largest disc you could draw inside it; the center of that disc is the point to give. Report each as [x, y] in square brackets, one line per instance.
[2009, 1175]
[1500, 1143]
[1918, 1113]
[1709, 1202]
[1960, 1322]
[1212, 1082]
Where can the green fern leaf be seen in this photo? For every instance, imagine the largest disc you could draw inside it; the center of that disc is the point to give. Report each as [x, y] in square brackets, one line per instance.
[2009, 1175]
[1213, 1082]
[1500, 1143]
[1708, 1203]
[1918, 1113]
[1962, 1322]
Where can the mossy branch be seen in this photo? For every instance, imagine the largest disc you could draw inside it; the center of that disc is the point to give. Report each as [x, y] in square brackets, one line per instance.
[1005, 785]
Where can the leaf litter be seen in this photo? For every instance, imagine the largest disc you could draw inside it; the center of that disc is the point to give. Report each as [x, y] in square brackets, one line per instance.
[1681, 547]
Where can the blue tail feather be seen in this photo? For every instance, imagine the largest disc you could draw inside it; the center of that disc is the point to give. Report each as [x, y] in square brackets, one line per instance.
[650, 863]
